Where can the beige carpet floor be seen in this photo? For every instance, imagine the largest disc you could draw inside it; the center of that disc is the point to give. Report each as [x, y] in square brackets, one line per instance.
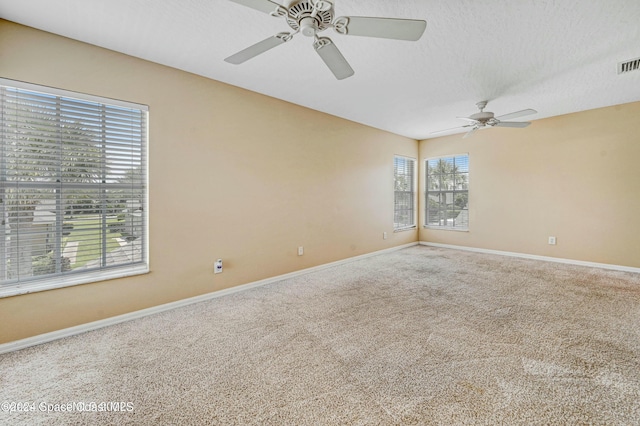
[418, 336]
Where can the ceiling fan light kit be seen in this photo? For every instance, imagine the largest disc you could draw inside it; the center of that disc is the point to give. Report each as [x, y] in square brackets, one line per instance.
[488, 119]
[310, 17]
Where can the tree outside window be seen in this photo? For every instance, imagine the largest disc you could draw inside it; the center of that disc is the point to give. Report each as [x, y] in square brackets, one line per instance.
[404, 170]
[71, 172]
[447, 194]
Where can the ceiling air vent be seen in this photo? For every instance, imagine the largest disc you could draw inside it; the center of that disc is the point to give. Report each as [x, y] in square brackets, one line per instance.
[632, 65]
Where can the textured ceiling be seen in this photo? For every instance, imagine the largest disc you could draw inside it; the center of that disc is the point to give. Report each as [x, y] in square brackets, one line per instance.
[555, 56]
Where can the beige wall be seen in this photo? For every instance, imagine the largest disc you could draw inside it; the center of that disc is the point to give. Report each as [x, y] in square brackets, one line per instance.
[233, 175]
[576, 177]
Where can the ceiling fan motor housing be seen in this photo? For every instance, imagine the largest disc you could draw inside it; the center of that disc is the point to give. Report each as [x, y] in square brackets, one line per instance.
[482, 117]
[301, 17]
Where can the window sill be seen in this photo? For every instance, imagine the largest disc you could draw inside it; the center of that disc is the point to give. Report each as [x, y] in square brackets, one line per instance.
[52, 283]
[444, 228]
[410, 228]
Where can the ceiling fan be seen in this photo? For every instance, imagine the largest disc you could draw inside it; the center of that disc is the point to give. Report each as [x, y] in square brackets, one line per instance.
[487, 119]
[311, 17]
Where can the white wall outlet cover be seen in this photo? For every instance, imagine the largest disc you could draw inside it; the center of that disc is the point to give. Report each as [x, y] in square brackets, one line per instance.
[300, 251]
[552, 240]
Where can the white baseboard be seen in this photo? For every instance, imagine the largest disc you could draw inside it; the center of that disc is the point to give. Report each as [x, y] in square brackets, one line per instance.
[71, 331]
[536, 257]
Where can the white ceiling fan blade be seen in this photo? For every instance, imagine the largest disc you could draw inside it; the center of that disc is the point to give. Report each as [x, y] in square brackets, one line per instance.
[266, 6]
[512, 124]
[517, 114]
[257, 49]
[470, 132]
[397, 29]
[333, 58]
[468, 119]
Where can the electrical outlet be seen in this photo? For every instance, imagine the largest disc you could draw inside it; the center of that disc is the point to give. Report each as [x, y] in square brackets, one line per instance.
[384, 235]
[217, 267]
[300, 251]
[552, 241]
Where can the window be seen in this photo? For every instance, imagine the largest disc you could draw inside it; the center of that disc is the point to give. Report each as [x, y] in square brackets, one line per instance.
[73, 179]
[404, 170]
[447, 194]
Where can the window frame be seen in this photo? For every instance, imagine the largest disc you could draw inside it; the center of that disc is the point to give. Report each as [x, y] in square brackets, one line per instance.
[63, 278]
[413, 192]
[454, 191]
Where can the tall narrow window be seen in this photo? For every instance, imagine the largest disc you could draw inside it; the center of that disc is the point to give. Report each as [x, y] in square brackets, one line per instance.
[447, 194]
[404, 170]
[72, 188]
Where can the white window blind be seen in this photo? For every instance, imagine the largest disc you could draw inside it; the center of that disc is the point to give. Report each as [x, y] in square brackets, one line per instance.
[73, 185]
[404, 170]
[447, 194]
